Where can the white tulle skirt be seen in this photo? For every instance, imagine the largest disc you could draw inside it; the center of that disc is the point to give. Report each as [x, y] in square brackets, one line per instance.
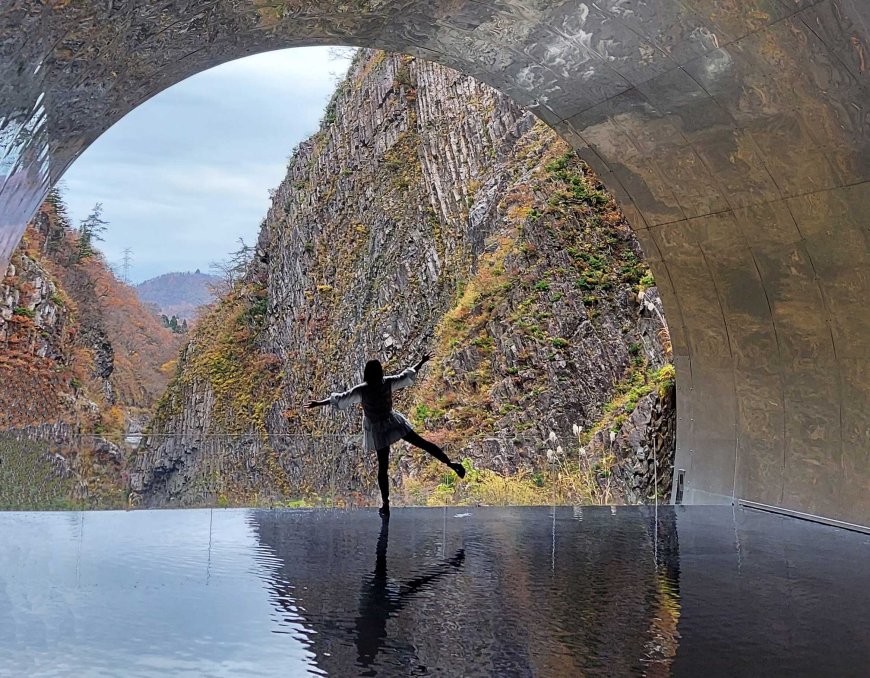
[384, 432]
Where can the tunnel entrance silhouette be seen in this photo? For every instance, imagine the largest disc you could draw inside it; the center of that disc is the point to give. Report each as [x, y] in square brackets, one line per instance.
[735, 137]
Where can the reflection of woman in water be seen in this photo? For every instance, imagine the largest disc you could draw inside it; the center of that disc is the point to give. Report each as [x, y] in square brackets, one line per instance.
[384, 426]
[379, 599]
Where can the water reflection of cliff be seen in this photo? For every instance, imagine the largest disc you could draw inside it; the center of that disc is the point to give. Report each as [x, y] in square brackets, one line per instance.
[499, 592]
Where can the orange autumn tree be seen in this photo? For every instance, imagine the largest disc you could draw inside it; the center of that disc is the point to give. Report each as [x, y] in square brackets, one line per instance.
[75, 335]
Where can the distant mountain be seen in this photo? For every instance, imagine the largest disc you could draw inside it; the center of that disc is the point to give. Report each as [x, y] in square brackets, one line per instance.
[178, 294]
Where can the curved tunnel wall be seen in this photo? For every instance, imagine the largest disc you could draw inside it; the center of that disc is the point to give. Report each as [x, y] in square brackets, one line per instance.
[735, 134]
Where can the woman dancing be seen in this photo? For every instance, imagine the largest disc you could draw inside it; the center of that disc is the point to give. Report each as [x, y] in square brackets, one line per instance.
[384, 426]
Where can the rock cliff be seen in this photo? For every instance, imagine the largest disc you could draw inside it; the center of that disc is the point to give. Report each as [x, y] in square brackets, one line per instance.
[427, 213]
[80, 358]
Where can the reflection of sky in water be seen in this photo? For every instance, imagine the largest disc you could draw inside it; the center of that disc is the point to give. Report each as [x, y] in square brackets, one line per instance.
[683, 591]
[114, 591]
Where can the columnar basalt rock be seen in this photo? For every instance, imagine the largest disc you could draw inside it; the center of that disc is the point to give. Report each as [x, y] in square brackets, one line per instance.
[428, 213]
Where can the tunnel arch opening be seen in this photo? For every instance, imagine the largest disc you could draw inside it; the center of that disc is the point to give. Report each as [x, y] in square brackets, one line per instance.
[760, 247]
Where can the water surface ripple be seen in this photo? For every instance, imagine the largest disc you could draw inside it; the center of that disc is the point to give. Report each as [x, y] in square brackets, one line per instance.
[566, 591]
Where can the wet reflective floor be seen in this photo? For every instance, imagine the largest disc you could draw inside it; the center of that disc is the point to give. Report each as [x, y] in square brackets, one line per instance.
[689, 591]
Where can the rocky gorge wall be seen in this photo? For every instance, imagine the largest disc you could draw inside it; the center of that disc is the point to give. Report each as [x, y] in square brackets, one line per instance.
[79, 361]
[428, 213]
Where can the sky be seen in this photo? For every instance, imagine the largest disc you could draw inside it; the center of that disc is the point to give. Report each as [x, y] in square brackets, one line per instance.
[185, 175]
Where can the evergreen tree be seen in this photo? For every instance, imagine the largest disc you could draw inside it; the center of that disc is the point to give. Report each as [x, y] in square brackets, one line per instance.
[54, 237]
[90, 231]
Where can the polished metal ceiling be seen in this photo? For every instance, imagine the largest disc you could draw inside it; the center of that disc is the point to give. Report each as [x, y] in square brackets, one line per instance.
[734, 132]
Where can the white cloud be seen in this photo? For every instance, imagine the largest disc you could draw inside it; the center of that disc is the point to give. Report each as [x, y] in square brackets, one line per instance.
[186, 174]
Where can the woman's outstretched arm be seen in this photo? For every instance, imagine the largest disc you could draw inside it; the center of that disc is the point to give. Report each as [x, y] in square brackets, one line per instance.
[311, 404]
[340, 401]
[407, 377]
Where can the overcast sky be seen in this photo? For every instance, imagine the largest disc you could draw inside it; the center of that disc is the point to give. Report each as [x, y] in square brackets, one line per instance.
[186, 174]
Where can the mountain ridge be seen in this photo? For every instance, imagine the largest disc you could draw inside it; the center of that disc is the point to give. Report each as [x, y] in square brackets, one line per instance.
[179, 293]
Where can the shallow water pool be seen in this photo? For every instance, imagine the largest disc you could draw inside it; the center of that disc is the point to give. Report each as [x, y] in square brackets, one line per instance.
[686, 591]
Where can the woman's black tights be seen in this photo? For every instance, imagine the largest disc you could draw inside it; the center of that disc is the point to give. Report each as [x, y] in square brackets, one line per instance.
[384, 460]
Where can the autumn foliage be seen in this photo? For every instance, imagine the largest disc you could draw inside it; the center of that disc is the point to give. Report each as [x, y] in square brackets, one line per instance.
[76, 344]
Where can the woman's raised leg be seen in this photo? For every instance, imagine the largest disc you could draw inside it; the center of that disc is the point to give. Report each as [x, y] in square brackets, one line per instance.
[427, 445]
